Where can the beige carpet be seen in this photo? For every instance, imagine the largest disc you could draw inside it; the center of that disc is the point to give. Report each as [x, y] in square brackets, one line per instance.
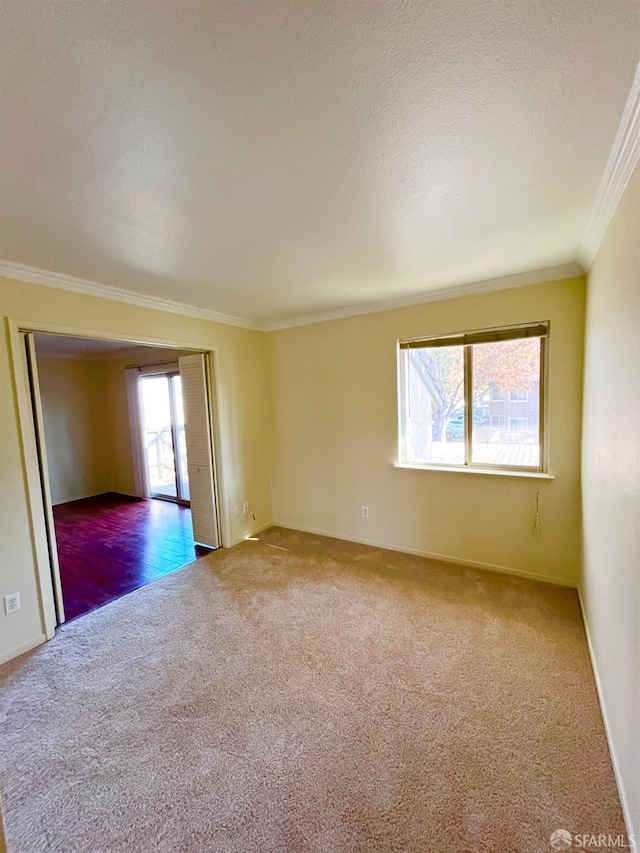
[314, 696]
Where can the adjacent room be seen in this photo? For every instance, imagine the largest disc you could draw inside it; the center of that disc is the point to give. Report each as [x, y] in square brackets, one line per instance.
[319, 392]
[114, 452]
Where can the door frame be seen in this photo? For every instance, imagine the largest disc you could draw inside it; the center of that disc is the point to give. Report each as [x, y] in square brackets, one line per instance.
[38, 501]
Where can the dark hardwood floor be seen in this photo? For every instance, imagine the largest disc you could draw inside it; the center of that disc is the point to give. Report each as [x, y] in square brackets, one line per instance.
[111, 544]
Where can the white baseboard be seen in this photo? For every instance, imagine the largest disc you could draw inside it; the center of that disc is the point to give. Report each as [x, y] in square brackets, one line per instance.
[443, 558]
[624, 800]
[253, 533]
[20, 649]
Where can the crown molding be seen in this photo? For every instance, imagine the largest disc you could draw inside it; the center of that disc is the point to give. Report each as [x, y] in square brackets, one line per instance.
[524, 279]
[33, 275]
[622, 161]
[21, 272]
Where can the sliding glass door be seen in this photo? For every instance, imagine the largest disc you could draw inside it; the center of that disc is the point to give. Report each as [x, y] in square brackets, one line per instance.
[165, 445]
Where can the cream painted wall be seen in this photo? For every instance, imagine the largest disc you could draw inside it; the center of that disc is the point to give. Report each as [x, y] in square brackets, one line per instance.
[334, 437]
[610, 583]
[243, 418]
[86, 417]
[74, 411]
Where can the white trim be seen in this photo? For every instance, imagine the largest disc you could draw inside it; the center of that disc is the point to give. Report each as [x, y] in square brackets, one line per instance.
[623, 159]
[198, 436]
[31, 467]
[223, 509]
[33, 275]
[572, 270]
[20, 649]
[477, 469]
[41, 447]
[443, 558]
[100, 335]
[624, 801]
[21, 272]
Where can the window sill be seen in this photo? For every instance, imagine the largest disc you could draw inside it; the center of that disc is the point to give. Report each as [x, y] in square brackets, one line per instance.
[491, 472]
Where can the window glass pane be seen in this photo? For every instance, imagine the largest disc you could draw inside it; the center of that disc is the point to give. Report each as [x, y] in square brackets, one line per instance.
[506, 384]
[434, 405]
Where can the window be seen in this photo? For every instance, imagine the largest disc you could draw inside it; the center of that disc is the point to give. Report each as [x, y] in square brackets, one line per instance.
[518, 424]
[450, 396]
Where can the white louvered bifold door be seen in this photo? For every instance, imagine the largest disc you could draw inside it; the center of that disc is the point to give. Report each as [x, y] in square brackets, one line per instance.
[38, 421]
[197, 427]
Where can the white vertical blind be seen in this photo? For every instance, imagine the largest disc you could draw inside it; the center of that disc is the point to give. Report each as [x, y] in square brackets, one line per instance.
[136, 427]
[197, 424]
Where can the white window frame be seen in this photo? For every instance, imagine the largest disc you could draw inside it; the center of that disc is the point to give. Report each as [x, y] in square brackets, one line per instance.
[468, 340]
[503, 425]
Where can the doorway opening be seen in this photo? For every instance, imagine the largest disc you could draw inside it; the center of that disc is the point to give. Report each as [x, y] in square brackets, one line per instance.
[125, 453]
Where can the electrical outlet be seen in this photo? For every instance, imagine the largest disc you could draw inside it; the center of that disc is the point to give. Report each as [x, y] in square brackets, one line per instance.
[236, 510]
[245, 509]
[365, 512]
[12, 603]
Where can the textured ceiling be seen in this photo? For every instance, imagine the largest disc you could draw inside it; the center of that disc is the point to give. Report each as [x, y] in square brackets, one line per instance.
[273, 159]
